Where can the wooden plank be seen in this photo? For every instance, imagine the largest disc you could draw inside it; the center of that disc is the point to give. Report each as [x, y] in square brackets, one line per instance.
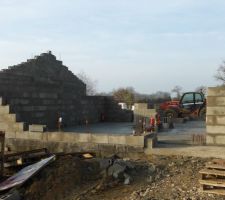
[215, 166]
[218, 161]
[215, 191]
[212, 172]
[213, 182]
[2, 141]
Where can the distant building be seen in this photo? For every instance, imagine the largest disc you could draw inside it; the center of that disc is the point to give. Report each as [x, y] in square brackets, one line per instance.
[123, 106]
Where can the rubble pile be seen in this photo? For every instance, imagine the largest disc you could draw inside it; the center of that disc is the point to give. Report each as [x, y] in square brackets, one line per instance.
[179, 180]
[59, 179]
[155, 178]
[150, 178]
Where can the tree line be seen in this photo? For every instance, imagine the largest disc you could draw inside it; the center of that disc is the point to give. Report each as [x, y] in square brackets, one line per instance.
[129, 96]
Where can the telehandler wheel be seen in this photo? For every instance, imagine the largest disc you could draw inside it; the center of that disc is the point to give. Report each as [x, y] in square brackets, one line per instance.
[171, 114]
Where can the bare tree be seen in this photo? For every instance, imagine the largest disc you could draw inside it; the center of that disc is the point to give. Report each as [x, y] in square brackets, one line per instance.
[91, 84]
[125, 95]
[177, 90]
[157, 97]
[201, 89]
[220, 76]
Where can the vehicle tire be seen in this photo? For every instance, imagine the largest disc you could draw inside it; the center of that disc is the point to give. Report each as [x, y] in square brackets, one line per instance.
[171, 114]
[202, 114]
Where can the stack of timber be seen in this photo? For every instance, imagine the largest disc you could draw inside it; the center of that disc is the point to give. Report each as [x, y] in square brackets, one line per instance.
[213, 177]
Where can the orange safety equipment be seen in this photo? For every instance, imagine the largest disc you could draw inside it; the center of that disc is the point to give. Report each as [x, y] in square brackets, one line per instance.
[152, 121]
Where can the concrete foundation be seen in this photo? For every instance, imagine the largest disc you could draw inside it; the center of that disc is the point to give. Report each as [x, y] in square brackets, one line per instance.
[72, 142]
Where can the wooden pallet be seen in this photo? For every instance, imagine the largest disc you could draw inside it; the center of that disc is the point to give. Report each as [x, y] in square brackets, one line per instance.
[213, 177]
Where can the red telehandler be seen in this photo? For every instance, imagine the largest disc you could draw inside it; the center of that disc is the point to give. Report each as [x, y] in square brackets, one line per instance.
[191, 104]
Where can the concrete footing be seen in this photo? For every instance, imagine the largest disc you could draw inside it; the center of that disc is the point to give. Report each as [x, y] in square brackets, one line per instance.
[151, 140]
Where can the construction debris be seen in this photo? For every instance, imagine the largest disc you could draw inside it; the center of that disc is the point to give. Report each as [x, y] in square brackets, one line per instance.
[64, 176]
[213, 177]
[120, 170]
[25, 157]
[29, 157]
[11, 195]
[117, 168]
[156, 177]
[24, 174]
[2, 141]
[84, 155]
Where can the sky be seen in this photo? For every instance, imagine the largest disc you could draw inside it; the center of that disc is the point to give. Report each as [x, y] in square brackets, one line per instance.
[146, 44]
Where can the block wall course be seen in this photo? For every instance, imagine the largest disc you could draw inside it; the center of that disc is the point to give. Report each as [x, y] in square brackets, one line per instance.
[218, 101]
[215, 110]
[215, 120]
[216, 91]
[135, 141]
[215, 129]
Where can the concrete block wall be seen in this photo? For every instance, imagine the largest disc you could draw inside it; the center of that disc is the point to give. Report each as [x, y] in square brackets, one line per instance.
[93, 107]
[215, 116]
[8, 121]
[141, 111]
[115, 113]
[78, 138]
[102, 150]
[41, 89]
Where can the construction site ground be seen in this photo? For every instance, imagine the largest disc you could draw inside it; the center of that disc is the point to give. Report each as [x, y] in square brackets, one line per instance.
[169, 171]
[178, 141]
[121, 128]
[154, 178]
[182, 133]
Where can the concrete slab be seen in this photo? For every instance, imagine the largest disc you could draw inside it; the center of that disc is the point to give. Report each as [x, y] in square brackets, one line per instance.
[179, 120]
[182, 132]
[103, 128]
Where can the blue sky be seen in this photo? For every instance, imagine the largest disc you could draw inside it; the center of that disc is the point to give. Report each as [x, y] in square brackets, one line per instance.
[150, 45]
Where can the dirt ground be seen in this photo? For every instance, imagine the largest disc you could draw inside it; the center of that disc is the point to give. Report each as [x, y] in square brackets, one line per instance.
[154, 178]
[168, 172]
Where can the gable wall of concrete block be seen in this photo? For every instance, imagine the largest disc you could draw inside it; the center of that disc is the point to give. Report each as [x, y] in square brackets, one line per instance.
[42, 89]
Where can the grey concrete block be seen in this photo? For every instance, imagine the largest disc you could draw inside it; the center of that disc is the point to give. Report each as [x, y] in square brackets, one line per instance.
[215, 101]
[216, 110]
[151, 141]
[216, 91]
[37, 128]
[4, 109]
[216, 129]
[135, 141]
[220, 140]
[101, 139]
[117, 139]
